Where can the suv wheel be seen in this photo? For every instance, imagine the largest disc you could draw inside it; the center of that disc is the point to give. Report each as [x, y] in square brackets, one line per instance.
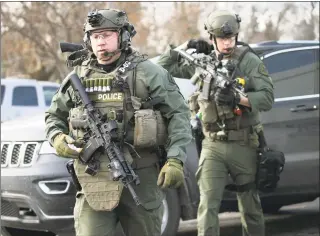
[4, 232]
[171, 213]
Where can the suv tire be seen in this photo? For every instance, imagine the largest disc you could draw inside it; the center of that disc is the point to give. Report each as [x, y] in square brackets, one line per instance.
[171, 214]
[4, 232]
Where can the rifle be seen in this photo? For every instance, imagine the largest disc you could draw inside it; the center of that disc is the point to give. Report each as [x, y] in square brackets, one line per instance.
[213, 75]
[101, 140]
[70, 47]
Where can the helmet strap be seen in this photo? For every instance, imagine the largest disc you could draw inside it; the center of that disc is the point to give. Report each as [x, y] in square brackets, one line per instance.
[215, 43]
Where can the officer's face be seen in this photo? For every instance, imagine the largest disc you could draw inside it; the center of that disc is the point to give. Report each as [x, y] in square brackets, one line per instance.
[226, 45]
[102, 42]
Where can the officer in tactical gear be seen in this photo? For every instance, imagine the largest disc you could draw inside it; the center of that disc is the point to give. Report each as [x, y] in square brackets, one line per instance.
[152, 118]
[230, 139]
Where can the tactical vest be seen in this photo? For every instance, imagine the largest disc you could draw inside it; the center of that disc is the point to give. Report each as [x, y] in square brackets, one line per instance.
[113, 94]
[212, 114]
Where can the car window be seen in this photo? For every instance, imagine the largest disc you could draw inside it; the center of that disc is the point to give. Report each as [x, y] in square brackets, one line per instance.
[316, 85]
[48, 92]
[293, 73]
[3, 89]
[24, 96]
[289, 60]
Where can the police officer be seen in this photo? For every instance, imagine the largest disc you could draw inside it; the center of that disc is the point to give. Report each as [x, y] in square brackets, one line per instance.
[229, 149]
[123, 85]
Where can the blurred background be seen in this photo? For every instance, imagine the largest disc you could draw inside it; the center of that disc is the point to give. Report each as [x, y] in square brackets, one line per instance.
[31, 31]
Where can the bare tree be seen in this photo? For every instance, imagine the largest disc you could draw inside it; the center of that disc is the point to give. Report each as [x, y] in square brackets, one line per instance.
[135, 12]
[183, 24]
[42, 25]
[306, 30]
[251, 31]
[272, 31]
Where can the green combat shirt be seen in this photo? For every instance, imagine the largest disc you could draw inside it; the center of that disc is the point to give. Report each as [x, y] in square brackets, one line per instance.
[259, 85]
[157, 82]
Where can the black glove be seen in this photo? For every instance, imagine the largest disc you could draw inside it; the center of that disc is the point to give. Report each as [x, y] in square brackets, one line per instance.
[200, 45]
[227, 97]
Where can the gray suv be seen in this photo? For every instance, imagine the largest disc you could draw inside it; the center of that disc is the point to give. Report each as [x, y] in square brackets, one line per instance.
[37, 193]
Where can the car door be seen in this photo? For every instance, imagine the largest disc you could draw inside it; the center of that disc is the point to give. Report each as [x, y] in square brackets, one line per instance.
[292, 126]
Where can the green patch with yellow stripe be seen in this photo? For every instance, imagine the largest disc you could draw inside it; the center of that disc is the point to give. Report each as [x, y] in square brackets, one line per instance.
[263, 70]
[107, 97]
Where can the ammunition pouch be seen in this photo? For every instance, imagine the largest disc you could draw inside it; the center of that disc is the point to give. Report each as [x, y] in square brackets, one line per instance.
[77, 122]
[208, 110]
[225, 112]
[193, 103]
[146, 134]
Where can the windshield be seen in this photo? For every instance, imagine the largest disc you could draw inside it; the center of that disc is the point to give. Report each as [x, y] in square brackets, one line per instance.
[48, 92]
[3, 88]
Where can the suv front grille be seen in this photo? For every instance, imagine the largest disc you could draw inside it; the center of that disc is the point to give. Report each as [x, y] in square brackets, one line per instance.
[4, 152]
[9, 209]
[14, 154]
[29, 153]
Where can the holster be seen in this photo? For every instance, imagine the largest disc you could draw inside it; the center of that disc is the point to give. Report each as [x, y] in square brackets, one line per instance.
[70, 168]
[198, 135]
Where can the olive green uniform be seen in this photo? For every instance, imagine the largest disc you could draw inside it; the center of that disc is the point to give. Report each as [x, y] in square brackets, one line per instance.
[237, 154]
[104, 202]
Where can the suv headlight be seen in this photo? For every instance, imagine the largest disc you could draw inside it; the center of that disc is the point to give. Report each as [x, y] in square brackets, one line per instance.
[46, 148]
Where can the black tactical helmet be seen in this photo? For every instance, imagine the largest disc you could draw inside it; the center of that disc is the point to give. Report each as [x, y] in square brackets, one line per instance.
[112, 19]
[222, 24]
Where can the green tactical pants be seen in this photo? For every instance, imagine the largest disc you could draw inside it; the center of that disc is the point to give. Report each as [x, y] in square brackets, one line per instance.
[135, 220]
[217, 160]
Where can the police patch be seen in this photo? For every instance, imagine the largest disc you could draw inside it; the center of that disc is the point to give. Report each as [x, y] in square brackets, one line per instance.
[263, 70]
[107, 97]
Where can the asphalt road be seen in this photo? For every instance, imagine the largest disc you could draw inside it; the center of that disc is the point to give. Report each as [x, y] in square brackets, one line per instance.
[294, 220]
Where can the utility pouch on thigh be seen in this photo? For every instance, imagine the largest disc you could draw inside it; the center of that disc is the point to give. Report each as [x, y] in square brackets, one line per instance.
[208, 110]
[270, 167]
[145, 130]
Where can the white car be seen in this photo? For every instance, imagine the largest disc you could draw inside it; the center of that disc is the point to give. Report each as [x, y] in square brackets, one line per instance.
[24, 97]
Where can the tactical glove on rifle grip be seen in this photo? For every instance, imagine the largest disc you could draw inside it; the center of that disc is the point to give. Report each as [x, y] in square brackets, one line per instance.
[171, 174]
[60, 143]
[227, 97]
[200, 45]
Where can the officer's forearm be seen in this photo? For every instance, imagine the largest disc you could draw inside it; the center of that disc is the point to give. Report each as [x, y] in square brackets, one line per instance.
[244, 101]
